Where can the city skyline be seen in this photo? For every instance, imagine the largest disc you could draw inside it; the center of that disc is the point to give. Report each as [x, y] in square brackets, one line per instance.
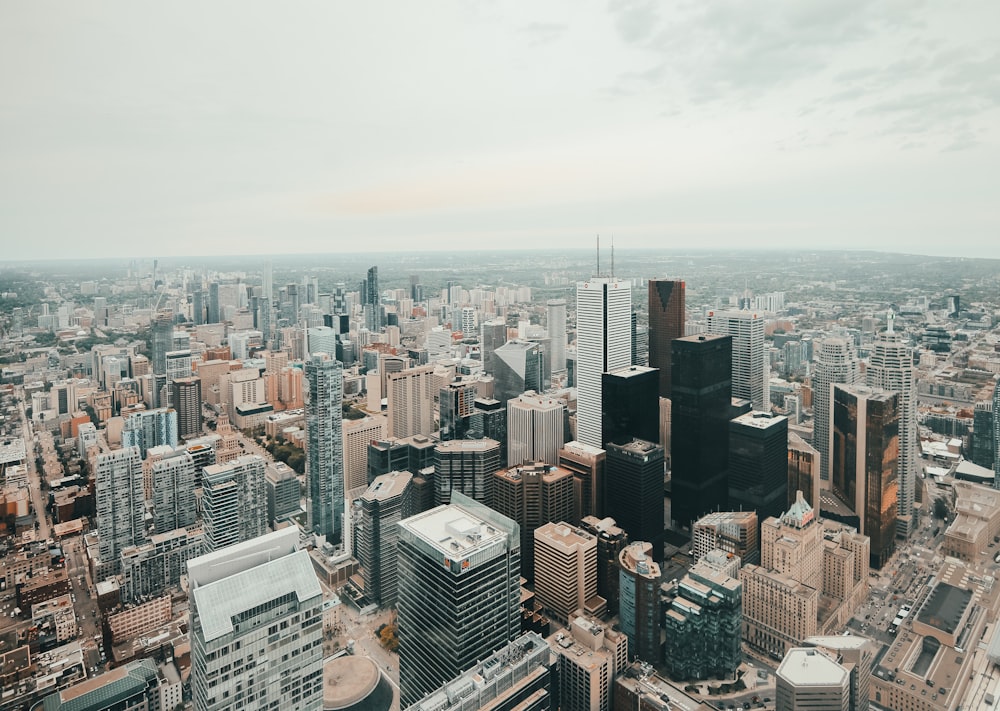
[842, 125]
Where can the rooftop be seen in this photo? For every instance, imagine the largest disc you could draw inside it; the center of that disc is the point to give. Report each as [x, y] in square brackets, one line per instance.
[453, 531]
[387, 486]
[810, 667]
[760, 420]
[945, 607]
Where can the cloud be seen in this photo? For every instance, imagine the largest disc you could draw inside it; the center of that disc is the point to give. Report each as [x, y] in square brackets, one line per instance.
[541, 33]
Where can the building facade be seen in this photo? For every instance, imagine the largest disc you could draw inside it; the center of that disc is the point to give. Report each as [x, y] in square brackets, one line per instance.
[325, 446]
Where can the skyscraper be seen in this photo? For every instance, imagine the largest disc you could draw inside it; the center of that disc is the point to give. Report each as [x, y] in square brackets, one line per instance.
[464, 556]
[374, 318]
[162, 341]
[699, 425]
[666, 322]
[186, 400]
[603, 344]
[566, 570]
[325, 446]
[534, 429]
[556, 320]
[865, 459]
[518, 366]
[587, 465]
[256, 627]
[214, 308]
[982, 434]
[751, 368]
[803, 471]
[456, 404]
[639, 591]
[466, 466]
[409, 396]
[631, 406]
[492, 335]
[150, 428]
[634, 491]
[118, 489]
[611, 540]
[758, 463]
[837, 363]
[891, 368]
[376, 534]
[996, 435]
[234, 502]
[173, 492]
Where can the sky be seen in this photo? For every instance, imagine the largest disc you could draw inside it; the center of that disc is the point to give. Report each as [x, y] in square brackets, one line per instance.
[133, 128]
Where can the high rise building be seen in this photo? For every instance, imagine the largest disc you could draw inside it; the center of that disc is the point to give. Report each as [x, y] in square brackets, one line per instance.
[162, 340]
[639, 601]
[518, 366]
[358, 436]
[666, 322]
[325, 446]
[535, 426]
[590, 657]
[234, 502]
[150, 428]
[186, 400]
[982, 435]
[456, 403]
[854, 654]
[120, 500]
[556, 320]
[996, 435]
[151, 568]
[376, 534]
[466, 466]
[322, 339]
[374, 316]
[492, 335]
[837, 363]
[611, 540]
[587, 465]
[751, 367]
[631, 405]
[809, 679]
[566, 571]
[735, 532]
[758, 463]
[634, 491]
[464, 556]
[603, 344]
[865, 429]
[214, 307]
[704, 625]
[532, 495]
[699, 425]
[283, 491]
[256, 627]
[173, 492]
[803, 471]
[409, 394]
[891, 368]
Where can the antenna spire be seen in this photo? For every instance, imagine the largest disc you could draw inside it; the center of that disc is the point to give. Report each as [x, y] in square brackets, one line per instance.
[612, 257]
[598, 255]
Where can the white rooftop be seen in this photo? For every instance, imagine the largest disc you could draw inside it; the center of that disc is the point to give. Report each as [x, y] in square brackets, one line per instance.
[453, 531]
[810, 667]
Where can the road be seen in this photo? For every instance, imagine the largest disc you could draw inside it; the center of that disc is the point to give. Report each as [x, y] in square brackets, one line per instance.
[34, 476]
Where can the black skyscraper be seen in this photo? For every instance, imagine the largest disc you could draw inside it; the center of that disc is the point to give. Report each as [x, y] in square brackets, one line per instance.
[758, 464]
[666, 322]
[634, 491]
[630, 405]
[699, 431]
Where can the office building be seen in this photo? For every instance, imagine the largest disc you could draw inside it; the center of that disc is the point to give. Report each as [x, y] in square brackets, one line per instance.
[703, 625]
[173, 491]
[150, 428]
[133, 687]
[283, 491]
[376, 534]
[120, 500]
[982, 435]
[891, 368]
[863, 474]
[631, 405]
[666, 322]
[153, 567]
[256, 627]
[587, 465]
[456, 404]
[357, 438]
[322, 339]
[855, 654]
[409, 395]
[758, 463]
[699, 425]
[535, 426]
[837, 363]
[996, 435]
[161, 341]
[518, 366]
[556, 325]
[566, 571]
[532, 495]
[492, 335]
[803, 471]
[186, 400]
[809, 679]
[603, 344]
[751, 367]
[634, 491]
[735, 532]
[463, 556]
[374, 315]
[611, 540]
[325, 446]
[234, 502]
[467, 466]
[517, 677]
[590, 656]
[639, 601]
[386, 456]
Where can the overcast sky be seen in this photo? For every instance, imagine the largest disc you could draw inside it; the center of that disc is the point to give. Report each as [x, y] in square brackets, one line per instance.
[174, 128]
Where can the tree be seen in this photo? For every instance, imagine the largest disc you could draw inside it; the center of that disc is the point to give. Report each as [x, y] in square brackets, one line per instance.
[940, 508]
[388, 638]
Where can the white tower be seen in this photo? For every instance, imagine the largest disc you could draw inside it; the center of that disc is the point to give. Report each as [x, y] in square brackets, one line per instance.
[751, 368]
[837, 363]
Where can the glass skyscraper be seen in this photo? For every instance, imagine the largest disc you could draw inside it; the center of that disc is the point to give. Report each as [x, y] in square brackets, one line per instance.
[325, 446]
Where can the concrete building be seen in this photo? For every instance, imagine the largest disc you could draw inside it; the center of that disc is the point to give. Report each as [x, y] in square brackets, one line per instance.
[809, 679]
[284, 493]
[466, 466]
[358, 435]
[133, 687]
[157, 565]
[735, 532]
[535, 426]
[463, 556]
[186, 400]
[751, 367]
[603, 344]
[590, 656]
[566, 571]
[150, 428]
[234, 502]
[837, 362]
[856, 655]
[409, 396]
[556, 324]
[976, 523]
[255, 601]
[120, 499]
[173, 491]
[587, 464]
[384, 504]
[611, 540]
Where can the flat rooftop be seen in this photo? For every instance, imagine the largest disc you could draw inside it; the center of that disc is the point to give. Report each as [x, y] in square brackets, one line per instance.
[945, 607]
[453, 531]
[760, 420]
[387, 486]
[810, 667]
